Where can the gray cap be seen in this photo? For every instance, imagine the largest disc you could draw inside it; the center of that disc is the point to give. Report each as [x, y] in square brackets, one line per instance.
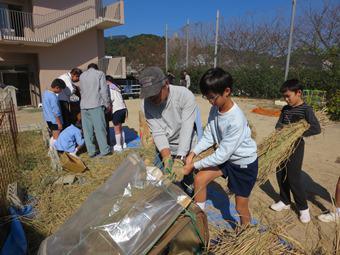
[151, 81]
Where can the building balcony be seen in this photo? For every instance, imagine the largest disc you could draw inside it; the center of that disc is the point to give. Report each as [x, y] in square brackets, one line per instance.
[54, 27]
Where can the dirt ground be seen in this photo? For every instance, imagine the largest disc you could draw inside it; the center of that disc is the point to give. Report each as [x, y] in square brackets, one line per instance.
[320, 171]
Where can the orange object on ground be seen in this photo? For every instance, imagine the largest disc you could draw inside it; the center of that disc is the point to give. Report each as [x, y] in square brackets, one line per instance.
[267, 112]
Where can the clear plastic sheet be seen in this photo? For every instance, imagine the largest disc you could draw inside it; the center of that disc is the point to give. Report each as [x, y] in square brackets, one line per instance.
[125, 215]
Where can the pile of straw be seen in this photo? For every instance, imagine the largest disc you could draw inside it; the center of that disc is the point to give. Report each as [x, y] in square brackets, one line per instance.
[322, 117]
[56, 203]
[277, 148]
[254, 240]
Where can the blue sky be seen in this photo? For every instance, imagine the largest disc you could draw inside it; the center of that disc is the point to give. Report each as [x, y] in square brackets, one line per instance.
[150, 16]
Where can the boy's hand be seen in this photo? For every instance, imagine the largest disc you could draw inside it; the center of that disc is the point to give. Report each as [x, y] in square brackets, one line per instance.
[189, 158]
[188, 168]
[60, 126]
[177, 170]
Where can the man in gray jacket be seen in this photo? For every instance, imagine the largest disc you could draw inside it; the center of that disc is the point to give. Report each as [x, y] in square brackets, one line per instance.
[94, 102]
[170, 112]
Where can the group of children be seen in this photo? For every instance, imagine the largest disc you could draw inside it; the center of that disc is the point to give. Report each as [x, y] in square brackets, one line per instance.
[69, 138]
[235, 156]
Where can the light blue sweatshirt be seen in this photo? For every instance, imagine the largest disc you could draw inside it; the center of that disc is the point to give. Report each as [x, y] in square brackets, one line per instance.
[51, 107]
[231, 132]
[69, 139]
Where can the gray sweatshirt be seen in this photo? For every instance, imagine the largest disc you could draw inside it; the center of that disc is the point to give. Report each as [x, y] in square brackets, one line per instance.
[172, 122]
[93, 89]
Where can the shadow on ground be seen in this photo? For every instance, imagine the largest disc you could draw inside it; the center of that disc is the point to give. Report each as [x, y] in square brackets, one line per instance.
[313, 190]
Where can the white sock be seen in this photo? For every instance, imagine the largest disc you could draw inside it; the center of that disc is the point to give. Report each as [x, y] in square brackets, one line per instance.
[123, 137]
[201, 205]
[52, 141]
[337, 210]
[118, 139]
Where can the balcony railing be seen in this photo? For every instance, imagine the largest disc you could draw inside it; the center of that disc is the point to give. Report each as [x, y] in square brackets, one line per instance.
[58, 25]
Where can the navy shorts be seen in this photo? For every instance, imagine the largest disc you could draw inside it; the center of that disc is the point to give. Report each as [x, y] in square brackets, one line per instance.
[119, 116]
[241, 178]
[52, 126]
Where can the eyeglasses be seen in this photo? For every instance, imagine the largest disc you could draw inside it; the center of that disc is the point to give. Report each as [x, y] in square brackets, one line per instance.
[211, 99]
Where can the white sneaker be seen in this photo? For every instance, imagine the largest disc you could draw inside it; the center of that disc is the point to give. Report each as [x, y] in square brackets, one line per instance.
[117, 148]
[304, 216]
[124, 145]
[329, 217]
[279, 206]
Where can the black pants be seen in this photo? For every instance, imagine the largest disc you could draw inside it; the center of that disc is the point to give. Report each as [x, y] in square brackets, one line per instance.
[65, 113]
[289, 179]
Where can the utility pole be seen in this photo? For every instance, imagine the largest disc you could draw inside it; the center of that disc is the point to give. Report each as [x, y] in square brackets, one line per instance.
[166, 48]
[290, 38]
[187, 45]
[216, 37]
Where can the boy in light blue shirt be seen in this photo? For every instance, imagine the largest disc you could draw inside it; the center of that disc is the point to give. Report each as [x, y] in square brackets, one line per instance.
[70, 139]
[51, 108]
[235, 156]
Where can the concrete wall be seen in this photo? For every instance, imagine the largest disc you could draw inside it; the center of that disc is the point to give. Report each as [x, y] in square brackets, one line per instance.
[78, 51]
[44, 7]
[47, 63]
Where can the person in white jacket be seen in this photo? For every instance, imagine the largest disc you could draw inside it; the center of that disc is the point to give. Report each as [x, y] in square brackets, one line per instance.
[119, 113]
[64, 97]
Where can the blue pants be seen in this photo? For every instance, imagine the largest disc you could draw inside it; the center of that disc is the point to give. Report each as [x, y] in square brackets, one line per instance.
[94, 124]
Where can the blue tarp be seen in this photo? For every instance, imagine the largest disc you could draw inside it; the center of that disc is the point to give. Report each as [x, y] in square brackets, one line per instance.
[131, 137]
[16, 243]
[219, 209]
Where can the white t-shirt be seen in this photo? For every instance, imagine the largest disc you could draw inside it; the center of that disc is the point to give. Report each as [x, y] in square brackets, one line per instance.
[116, 99]
[65, 94]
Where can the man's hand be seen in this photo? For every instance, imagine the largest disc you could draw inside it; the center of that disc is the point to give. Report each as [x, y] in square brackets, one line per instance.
[177, 170]
[168, 162]
[173, 169]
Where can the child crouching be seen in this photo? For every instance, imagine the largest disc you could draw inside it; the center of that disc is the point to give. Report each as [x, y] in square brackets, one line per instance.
[70, 139]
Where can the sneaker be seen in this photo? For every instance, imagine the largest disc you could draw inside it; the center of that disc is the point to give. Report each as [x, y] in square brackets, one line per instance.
[118, 148]
[107, 154]
[94, 155]
[304, 216]
[279, 206]
[124, 145]
[329, 217]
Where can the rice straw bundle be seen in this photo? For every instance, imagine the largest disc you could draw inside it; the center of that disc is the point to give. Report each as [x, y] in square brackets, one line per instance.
[274, 150]
[253, 240]
[277, 148]
[322, 117]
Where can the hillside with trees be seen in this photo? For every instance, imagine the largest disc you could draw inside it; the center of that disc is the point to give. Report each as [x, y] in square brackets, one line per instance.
[253, 51]
[141, 50]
